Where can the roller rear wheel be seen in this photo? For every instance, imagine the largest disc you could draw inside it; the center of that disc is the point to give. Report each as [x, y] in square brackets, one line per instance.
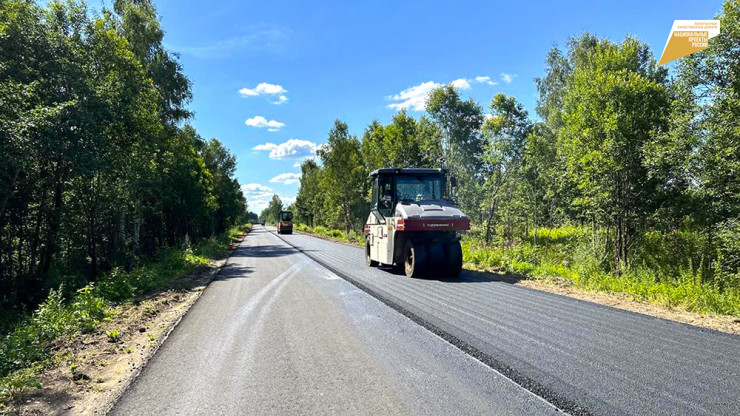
[453, 259]
[415, 259]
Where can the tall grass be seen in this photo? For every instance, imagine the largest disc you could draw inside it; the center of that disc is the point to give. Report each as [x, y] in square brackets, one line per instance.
[669, 269]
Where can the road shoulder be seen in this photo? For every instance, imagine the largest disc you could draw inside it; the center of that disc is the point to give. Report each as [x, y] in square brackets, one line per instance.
[92, 371]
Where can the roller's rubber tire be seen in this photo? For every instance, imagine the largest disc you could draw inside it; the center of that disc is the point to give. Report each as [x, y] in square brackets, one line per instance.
[369, 262]
[415, 259]
[437, 261]
[453, 259]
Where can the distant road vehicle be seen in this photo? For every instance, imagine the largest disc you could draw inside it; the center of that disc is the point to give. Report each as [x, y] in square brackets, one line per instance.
[285, 222]
[413, 223]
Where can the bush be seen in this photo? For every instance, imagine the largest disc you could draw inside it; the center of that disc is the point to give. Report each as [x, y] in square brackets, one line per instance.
[116, 286]
[319, 230]
[336, 233]
[14, 386]
[729, 250]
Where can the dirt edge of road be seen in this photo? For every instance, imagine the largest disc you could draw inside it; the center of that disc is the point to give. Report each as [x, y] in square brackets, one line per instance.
[93, 371]
[722, 323]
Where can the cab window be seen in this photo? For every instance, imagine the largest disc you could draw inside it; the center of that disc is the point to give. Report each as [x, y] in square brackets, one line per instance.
[386, 202]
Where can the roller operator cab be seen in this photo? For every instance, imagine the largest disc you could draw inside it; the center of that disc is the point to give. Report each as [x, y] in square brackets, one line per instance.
[413, 223]
[285, 222]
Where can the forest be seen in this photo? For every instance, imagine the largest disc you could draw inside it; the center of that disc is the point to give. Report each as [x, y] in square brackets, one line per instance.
[99, 170]
[626, 179]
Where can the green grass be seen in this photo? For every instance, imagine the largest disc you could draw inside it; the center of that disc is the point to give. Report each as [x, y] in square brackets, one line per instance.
[668, 270]
[26, 349]
[351, 238]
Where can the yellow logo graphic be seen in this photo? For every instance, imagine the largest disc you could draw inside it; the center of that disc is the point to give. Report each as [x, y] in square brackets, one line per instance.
[687, 37]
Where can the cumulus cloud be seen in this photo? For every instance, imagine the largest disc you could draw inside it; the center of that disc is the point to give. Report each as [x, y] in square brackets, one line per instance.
[291, 149]
[254, 187]
[259, 196]
[263, 88]
[507, 78]
[461, 83]
[276, 92]
[414, 98]
[261, 122]
[286, 178]
[485, 80]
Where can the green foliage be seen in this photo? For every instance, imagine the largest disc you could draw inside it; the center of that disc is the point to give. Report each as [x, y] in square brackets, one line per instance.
[729, 252]
[116, 286]
[270, 214]
[669, 270]
[16, 385]
[343, 180]
[113, 336]
[27, 346]
[94, 157]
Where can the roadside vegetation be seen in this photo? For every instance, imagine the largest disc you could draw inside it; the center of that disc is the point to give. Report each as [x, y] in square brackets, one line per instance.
[29, 348]
[626, 181]
[105, 191]
[353, 237]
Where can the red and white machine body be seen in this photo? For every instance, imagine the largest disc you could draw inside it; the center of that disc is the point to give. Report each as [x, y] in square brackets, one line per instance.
[410, 211]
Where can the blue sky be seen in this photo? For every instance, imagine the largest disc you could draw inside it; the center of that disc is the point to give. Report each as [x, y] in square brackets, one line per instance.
[270, 77]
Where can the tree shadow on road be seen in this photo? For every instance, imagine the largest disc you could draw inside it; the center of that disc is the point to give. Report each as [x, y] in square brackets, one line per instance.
[234, 271]
[264, 251]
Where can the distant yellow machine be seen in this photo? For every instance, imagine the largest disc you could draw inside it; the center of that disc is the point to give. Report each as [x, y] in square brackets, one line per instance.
[285, 222]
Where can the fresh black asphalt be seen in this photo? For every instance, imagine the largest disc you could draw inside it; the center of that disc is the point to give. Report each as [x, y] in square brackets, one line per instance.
[584, 357]
[278, 334]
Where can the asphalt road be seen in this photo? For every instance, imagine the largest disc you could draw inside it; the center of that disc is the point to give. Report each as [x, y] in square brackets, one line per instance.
[279, 334]
[583, 357]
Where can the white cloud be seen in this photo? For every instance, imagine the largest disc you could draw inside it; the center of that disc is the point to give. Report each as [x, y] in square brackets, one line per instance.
[486, 80]
[299, 163]
[252, 187]
[258, 196]
[414, 97]
[281, 100]
[291, 149]
[263, 88]
[507, 78]
[286, 178]
[261, 122]
[461, 83]
[264, 39]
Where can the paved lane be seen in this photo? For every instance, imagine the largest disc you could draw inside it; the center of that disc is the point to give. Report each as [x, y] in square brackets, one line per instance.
[587, 358]
[279, 334]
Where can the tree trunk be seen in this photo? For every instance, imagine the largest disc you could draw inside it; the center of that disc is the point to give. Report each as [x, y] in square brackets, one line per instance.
[135, 237]
[55, 221]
